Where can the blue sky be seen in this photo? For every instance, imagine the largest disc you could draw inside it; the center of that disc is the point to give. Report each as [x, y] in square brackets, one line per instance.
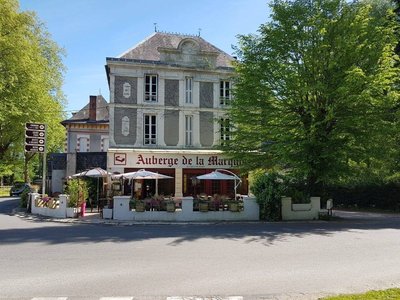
[91, 30]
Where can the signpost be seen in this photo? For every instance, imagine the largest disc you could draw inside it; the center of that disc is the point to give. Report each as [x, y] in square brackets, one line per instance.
[35, 141]
[35, 133]
[35, 137]
[34, 148]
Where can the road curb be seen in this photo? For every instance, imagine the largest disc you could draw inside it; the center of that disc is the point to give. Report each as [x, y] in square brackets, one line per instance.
[21, 213]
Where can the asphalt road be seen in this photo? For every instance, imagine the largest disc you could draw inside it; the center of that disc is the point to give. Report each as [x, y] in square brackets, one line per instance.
[292, 260]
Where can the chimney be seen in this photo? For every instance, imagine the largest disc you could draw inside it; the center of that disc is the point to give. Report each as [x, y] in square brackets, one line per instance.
[92, 108]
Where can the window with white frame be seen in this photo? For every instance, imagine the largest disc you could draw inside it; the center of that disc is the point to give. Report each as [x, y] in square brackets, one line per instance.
[188, 130]
[225, 130]
[225, 95]
[150, 88]
[188, 89]
[150, 129]
[82, 144]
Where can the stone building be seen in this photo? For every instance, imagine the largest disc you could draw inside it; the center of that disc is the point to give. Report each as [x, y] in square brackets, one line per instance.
[86, 145]
[168, 100]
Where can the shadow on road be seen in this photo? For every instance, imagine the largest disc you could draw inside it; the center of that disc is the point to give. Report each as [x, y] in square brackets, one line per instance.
[265, 233]
[8, 204]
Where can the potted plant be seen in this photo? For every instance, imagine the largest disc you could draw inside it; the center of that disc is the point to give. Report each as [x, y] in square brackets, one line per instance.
[203, 206]
[72, 210]
[170, 206]
[45, 200]
[139, 206]
[78, 193]
[233, 206]
[132, 204]
[107, 212]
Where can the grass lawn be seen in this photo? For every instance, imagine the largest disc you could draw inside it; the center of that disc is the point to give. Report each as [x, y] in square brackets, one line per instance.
[389, 294]
[5, 191]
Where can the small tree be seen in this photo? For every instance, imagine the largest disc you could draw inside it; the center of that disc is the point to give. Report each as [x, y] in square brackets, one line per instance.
[23, 202]
[78, 192]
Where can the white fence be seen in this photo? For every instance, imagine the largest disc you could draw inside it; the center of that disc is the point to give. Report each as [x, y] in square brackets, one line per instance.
[122, 211]
[57, 208]
[302, 211]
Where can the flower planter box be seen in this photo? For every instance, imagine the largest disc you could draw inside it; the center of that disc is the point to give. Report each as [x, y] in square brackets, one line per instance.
[234, 207]
[171, 207]
[52, 203]
[140, 207]
[203, 207]
[72, 212]
[38, 202]
[107, 213]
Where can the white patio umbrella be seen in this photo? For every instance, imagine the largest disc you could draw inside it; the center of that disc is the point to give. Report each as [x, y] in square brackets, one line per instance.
[96, 173]
[143, 174]
[218, 175]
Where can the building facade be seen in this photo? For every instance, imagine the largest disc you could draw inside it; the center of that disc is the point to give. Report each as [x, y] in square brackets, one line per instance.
[87, 139]
[168, 100]
[86, 143]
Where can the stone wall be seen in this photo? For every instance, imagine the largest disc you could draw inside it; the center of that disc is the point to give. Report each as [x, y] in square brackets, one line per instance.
[121, 211]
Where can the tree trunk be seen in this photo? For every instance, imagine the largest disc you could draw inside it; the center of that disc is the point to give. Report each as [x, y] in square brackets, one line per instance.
[28, 157]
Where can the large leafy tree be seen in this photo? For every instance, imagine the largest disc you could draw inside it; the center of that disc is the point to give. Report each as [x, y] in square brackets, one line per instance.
[315, 90]
[31, 75]
[397, 12]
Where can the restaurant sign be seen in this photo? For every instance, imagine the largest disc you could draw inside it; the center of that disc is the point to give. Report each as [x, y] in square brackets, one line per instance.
[160, 160]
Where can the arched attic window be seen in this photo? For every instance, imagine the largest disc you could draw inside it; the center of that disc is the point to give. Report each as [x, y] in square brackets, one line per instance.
[189, 46]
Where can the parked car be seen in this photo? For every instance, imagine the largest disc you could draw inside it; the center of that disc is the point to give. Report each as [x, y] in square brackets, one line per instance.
[19, 187]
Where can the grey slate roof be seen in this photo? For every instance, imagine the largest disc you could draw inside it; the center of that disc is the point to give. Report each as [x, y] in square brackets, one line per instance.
[148, 50]
[82, 116]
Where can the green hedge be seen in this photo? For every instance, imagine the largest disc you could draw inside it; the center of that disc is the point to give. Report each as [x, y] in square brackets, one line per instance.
[384, 196]
[268, 189]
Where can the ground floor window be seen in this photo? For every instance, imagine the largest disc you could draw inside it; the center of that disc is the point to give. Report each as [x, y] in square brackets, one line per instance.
[193, 186]
[145, 188]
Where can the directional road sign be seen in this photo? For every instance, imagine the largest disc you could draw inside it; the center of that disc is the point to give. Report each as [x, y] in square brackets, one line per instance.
[35, 137]
[34, 133]
[34, 148]
[35, 126]
[34, 141]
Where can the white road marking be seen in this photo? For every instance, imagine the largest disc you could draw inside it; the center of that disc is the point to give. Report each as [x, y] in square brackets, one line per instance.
[50, 298]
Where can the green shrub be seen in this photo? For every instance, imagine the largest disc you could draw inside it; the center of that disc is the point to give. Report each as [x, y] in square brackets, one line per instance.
[379, 196]
[23, 202]
[78, 192]
[269, 189]
[298, 195]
